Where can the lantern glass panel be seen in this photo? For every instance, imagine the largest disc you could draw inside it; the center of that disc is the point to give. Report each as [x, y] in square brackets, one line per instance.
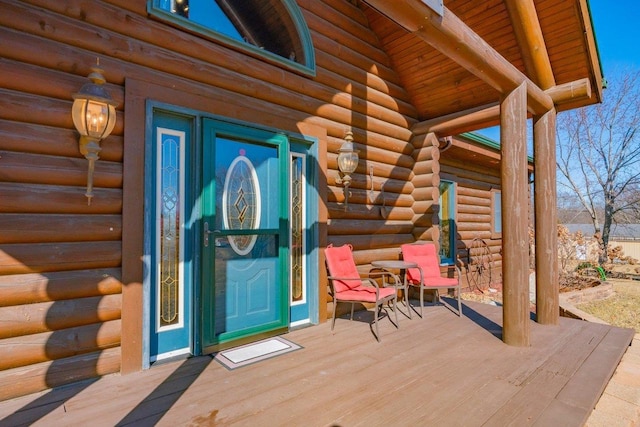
[348, 162]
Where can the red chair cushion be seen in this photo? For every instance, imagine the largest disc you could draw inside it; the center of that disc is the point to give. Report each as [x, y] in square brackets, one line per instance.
[341, 264]
[364, 294]
[426, 257]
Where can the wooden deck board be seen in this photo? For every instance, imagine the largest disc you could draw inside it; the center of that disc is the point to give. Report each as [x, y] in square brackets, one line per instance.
[436, 370]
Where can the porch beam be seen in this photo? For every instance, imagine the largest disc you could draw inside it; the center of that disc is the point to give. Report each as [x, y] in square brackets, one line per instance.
[451, 36]
[460, 121]
[567, 93]
[544, 155]
[515, 238]
[489, 114]
[526, 26]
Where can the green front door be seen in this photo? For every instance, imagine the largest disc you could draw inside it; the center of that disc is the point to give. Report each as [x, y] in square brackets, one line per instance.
[245, 234]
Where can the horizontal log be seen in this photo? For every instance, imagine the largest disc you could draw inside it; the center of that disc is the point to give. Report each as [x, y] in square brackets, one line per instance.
[34, 378]
[474, 192]
[368, 198]
[360, 242]
[426, 180]
[474, 209]
[427, 192]
[327, 61]
[198, 66]
[349, 227]
[469, 235]
[24, 107]
[38, 139]
[464, 183]
[473, 217]
[342, 43]
[473, 201]
[570, 92]
[347, 82]
[385, 163]
[472, 226]
[423, 234]
[347, 9]
[233, 104]
[37, 198]
[20, 258]
[426, 219]
[22, 77]
[427, 152]
[54, 170]
[424, 206]
[362, 212]
[28, 350]
[347, 17]
[364, 257]
[34, 288]
[392, 152]
[39, 228]
[427, 146]
[361, 182]
[426, 167]
[57, 315]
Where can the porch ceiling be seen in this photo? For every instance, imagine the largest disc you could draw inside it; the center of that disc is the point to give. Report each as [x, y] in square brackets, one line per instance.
[552, 44]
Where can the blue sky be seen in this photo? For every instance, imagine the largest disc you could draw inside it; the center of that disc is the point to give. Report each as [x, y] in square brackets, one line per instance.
[617, 28]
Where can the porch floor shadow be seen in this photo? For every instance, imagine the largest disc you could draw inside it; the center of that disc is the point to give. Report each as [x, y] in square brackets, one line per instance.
[440, 370]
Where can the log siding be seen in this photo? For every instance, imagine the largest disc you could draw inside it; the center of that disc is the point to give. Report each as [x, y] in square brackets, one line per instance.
[71, 275]
[61, 261]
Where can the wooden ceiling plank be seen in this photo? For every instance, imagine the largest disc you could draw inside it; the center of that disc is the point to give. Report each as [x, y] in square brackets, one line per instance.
[454, 38]
[526, 26]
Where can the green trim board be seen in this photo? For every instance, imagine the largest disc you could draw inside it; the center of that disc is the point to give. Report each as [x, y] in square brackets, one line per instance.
[487, 142]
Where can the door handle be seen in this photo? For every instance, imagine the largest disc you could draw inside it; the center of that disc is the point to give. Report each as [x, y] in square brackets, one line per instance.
[206, 234]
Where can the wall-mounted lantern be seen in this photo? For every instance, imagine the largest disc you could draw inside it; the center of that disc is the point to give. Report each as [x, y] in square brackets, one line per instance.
[94, 116]
[347, 163]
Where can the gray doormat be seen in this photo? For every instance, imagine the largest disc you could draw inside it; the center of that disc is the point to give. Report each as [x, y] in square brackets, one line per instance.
[248, 354]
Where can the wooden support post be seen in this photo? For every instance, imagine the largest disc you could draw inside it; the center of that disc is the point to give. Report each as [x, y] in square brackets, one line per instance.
[515, 238]
[547, 286]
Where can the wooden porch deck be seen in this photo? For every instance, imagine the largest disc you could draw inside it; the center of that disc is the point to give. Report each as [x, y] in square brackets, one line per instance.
[439, 370]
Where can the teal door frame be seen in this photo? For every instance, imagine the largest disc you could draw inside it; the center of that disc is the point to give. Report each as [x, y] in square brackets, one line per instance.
[218, 139]
[191, 122]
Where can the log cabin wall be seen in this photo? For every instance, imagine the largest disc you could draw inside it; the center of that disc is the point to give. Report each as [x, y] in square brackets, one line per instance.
[426, 182]
[61, 278]
[476, 174]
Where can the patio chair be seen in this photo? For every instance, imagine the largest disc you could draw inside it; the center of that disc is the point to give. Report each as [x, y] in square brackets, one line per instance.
[346, 285]
[427, 275]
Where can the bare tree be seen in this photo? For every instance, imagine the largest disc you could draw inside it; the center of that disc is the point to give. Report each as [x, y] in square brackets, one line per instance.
[598, 154]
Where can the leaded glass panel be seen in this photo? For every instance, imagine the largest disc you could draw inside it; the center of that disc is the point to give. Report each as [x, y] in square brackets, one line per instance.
[169, 195]
[297, 229]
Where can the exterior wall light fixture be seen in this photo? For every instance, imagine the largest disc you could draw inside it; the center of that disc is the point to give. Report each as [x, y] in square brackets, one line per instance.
[94, 116]
[347, 163]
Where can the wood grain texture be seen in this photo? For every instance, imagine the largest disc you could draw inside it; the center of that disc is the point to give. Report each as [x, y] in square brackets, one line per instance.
[576, 358]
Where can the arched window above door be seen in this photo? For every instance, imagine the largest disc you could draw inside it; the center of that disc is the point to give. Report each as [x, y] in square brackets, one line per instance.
[272, 29]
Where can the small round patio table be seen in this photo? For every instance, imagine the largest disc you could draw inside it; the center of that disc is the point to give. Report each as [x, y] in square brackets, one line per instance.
[402, 266]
